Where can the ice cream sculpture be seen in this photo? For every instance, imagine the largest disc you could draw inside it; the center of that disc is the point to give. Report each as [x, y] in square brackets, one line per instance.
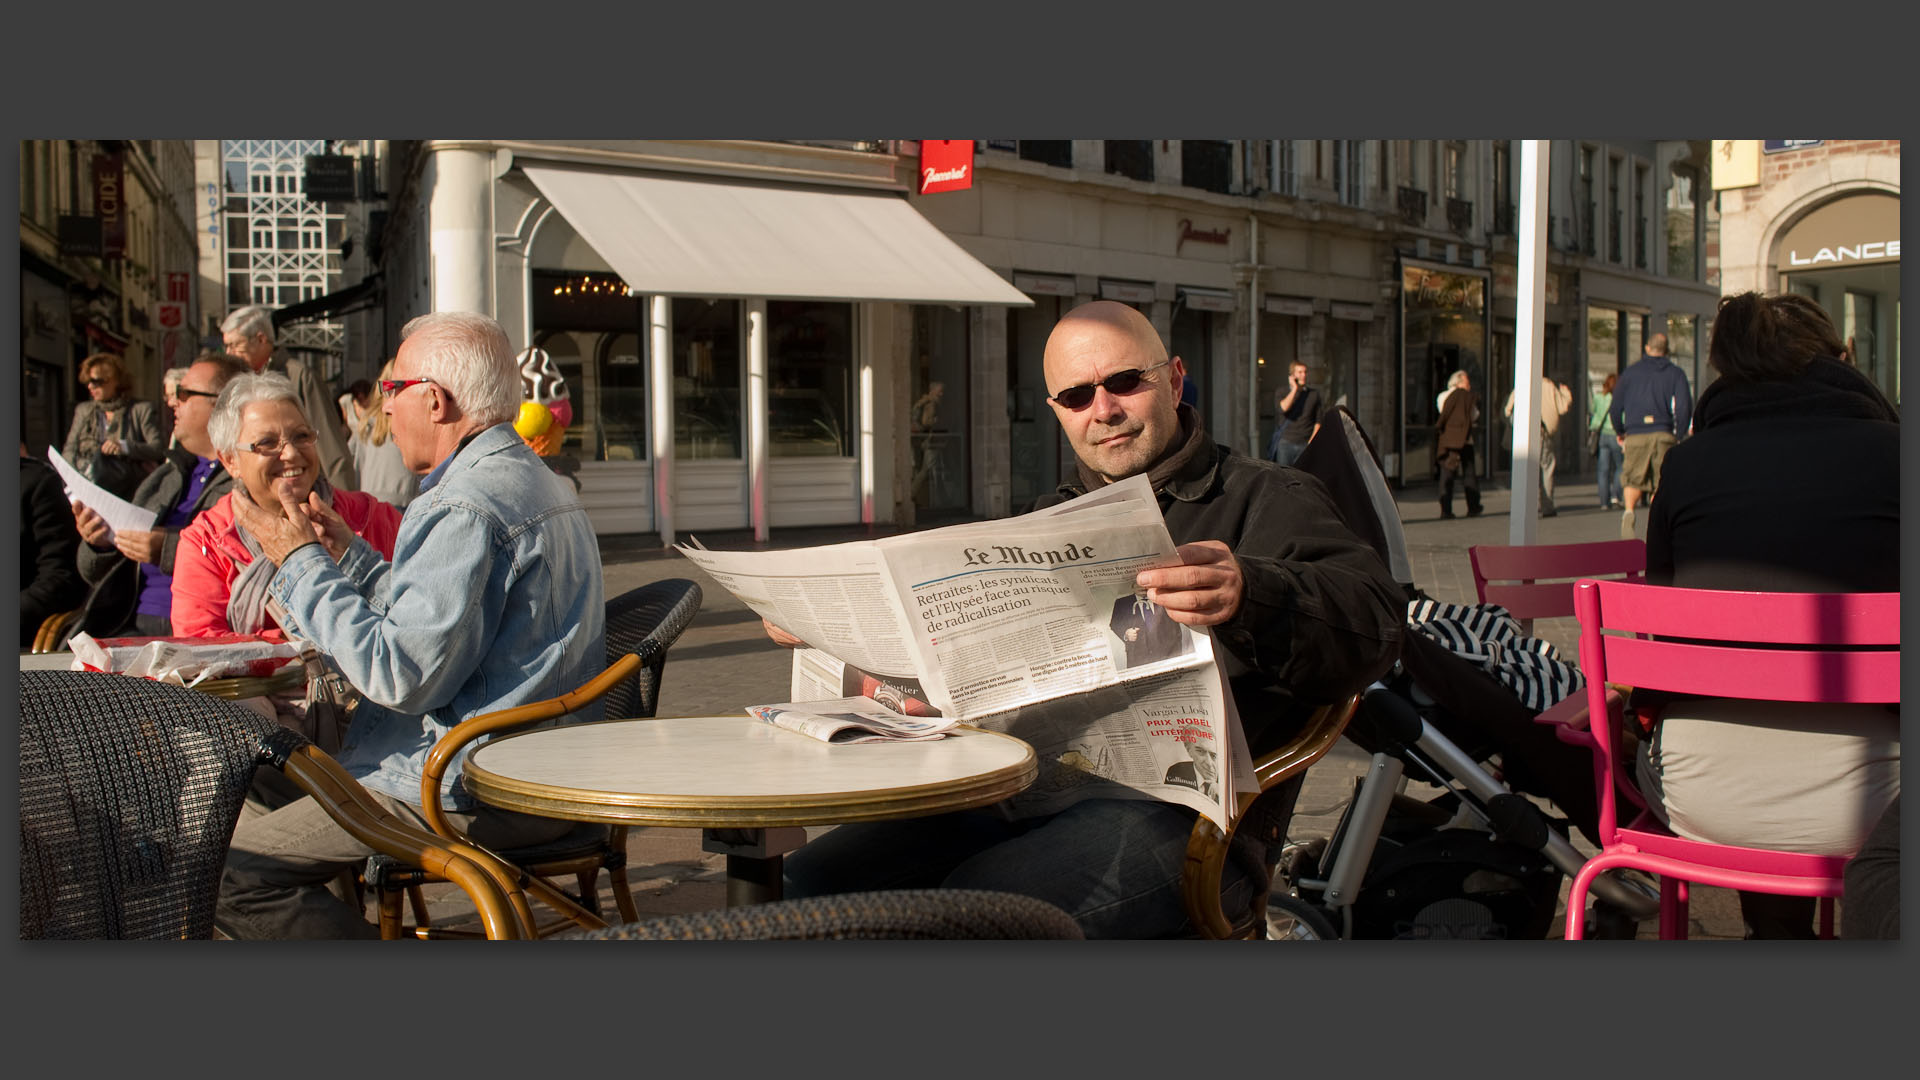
[547, 408]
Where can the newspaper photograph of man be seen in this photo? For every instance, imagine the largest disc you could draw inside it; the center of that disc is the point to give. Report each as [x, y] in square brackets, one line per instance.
[1146, 633]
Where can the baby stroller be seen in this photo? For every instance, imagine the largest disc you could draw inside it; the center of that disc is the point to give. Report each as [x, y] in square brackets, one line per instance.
[1478, 860]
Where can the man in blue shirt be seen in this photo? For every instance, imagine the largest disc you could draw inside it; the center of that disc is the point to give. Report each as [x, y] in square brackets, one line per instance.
[493, 599]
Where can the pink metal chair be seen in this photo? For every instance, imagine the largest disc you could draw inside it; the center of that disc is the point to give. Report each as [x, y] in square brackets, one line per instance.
[1848, 652]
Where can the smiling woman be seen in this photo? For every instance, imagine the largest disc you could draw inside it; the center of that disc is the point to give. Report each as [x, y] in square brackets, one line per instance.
[264, 439]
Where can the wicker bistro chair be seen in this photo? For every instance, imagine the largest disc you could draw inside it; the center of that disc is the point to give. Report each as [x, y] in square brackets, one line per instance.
[916, 914]
[129, 793]
[1207, 846]
[641, 624]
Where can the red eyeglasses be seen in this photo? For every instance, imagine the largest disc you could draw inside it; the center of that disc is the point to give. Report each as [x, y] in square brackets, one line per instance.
[390, 387]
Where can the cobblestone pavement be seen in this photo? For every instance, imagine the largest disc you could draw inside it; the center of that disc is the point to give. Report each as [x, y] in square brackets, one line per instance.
[724, 661]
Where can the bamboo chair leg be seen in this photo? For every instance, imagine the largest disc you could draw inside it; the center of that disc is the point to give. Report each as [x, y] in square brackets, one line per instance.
[390, 920]
[589, 882]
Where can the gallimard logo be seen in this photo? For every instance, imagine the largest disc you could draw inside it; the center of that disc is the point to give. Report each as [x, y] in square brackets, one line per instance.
[932, 175]
[1838, 253]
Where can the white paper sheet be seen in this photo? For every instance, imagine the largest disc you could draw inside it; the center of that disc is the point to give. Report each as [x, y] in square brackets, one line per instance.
[117, 512]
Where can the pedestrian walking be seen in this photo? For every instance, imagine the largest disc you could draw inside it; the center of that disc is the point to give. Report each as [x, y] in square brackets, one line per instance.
[1603, 444]
[1652, 408]
[1459, 412]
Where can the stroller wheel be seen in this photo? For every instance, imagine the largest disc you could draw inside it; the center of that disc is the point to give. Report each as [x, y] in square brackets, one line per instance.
[1290, 918]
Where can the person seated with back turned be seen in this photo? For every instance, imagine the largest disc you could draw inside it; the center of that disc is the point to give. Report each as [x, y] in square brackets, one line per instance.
[1786, 415]
[131, 572]
[1303, 613]
[264, 439]
[493, 599]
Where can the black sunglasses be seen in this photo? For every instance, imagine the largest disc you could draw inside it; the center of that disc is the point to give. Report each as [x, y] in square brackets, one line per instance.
[187, 392]
[1118, 383]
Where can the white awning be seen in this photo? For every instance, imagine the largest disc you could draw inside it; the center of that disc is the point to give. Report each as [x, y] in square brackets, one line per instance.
[689, 237]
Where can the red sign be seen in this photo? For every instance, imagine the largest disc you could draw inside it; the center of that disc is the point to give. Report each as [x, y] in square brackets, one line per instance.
[945, 165]
[170, 315]
[109, 204]
[177, 286]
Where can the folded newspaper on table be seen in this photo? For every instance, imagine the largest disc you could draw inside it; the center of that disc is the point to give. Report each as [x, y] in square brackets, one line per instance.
[851, 720]
[1027, 625]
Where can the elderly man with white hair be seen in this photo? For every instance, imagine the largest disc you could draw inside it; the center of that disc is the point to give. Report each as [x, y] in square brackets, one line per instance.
[493, 599]
[248, 334]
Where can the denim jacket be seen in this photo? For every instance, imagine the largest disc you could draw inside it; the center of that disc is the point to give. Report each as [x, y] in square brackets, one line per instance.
[493, 599]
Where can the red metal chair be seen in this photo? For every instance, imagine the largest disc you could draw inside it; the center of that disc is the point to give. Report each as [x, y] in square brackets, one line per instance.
[1522, 578]
[1839, 647]
[1535, 581]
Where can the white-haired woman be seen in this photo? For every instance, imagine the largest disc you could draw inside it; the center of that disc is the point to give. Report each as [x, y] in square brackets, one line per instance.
[267, 442]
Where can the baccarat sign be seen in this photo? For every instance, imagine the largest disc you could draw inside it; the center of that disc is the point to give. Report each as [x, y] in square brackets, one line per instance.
[945, 165]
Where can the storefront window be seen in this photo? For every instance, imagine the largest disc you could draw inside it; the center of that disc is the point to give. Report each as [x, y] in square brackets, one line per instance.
[937, 421]
[810, 367]
[595, 330]
[1193, 343]
[1681, 347]
[1444, 316]
[1279, 344]
[706, 379]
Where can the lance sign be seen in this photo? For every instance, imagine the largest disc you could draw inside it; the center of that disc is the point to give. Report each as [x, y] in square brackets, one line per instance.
[945, 165]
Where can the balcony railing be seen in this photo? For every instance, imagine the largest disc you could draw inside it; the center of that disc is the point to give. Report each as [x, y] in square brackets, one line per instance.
[1459, 215]
[1413, 206]
[1613, 236]
[1504, 215]
[1589, 243]
[1640, 245]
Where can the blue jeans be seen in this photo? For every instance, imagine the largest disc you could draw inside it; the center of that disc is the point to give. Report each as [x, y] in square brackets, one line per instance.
[1610, 458]
[1286, 453]
[1113, 864]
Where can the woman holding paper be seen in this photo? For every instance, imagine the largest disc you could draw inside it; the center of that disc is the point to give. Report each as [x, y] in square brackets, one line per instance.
[114, 441]
[266, 441]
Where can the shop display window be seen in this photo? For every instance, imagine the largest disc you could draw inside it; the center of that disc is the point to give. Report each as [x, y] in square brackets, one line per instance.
[810, 401]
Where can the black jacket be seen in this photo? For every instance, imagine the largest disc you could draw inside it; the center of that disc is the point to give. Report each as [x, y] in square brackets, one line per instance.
[1322, 616]
[49, 581]
[1650, 396]
[1785, 486]
[113, 576]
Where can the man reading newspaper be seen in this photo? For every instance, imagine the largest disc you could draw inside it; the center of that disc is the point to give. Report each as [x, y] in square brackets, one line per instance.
[1302, 612]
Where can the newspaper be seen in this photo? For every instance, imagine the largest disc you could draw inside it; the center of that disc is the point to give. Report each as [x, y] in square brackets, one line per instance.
[117, 512]
[851, 720]
[1028, 625]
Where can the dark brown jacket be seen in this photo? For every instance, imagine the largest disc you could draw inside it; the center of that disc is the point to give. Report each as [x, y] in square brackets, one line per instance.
[1456, 419]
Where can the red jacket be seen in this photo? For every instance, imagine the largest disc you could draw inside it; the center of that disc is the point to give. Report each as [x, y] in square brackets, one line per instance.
[211, 555]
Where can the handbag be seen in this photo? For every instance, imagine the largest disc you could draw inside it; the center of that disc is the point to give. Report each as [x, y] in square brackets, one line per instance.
[1593, 443]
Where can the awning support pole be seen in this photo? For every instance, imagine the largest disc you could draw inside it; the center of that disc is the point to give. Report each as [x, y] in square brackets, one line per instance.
[1532, 311]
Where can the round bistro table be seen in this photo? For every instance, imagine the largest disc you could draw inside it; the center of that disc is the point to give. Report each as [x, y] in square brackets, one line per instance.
[749, 786]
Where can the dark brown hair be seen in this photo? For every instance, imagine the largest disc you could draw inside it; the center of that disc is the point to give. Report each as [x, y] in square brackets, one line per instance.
[1758, 338]
[114, 365]
[229, 365]
[1612, 377]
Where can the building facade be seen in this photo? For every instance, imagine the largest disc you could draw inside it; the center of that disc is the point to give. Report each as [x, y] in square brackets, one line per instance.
[1820, 217]
[106, 265]
[731, 368]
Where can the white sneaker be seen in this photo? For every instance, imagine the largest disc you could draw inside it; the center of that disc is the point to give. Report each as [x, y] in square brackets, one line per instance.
[1626, 524]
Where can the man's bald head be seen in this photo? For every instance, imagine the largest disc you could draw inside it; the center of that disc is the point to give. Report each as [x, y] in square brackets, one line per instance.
[1657, 345]
[1115, 434]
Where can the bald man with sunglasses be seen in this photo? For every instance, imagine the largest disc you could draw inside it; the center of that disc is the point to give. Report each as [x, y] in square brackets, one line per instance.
[1303, 612]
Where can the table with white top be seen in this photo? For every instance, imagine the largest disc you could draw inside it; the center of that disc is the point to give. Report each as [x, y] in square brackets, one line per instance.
[751, 787]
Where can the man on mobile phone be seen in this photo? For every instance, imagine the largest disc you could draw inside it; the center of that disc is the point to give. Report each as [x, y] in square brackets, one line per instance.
[1298, 406]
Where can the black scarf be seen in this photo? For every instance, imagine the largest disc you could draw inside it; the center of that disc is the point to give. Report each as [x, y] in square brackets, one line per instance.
[1827, 388]
[1191, 444]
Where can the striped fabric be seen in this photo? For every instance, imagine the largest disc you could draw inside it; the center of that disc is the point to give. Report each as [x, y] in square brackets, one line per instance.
[1489, 637]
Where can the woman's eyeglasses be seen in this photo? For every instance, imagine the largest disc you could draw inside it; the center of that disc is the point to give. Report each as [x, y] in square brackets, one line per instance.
[273, 445]
[98, 382]
[1119, 383]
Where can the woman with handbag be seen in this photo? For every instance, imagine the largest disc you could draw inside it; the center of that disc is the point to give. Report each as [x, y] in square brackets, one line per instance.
[1603, 445]
[115, 441]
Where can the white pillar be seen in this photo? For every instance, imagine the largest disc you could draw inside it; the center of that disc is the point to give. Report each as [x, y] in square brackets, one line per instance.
[867, 343]
[1531, 308]
[660, 394]
[757, 406]
[460, 238]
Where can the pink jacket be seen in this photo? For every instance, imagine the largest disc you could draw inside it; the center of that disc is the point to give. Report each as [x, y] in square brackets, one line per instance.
[211, 554]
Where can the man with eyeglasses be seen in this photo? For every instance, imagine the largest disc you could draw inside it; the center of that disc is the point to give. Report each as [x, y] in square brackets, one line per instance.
[248, 334]
[1303, 611]
[131, 572]
[492, 598]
